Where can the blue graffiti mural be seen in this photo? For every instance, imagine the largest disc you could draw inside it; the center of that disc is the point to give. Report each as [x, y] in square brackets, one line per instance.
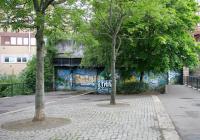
[64, 79]
[87, 79]
[174, 77]
[84, 79]
[104, 86]
[156, 80]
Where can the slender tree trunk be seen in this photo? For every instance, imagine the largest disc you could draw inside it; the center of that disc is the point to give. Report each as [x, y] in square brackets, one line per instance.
[39, 95]
[141, 76]
[113, 61]
[53, 79]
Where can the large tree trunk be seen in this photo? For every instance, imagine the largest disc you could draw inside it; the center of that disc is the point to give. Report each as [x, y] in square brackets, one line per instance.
[142, 77]
[39, 95]
[113, 61]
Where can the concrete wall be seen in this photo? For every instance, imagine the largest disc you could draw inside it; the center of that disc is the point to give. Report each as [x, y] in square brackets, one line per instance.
[93, 79]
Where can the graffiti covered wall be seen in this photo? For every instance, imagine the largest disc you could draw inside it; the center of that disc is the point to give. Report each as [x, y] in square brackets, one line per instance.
[90, 79]
[103, 84]
[64, 79]
[157, 80]
[84, 79]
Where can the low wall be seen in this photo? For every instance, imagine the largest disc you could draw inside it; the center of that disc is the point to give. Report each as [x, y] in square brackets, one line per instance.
[94, 79]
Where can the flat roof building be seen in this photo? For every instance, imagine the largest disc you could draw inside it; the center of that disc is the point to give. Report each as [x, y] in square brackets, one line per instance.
[16, 48]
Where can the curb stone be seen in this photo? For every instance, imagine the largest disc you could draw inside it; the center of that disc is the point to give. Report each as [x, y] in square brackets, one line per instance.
[168, 130]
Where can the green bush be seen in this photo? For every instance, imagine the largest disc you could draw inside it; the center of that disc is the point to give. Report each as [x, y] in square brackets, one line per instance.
[6, 79]
[132, 87]
[7, 88]
[29, 74]
[14, 89]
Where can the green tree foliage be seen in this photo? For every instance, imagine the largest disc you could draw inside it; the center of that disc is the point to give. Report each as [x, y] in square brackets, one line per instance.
[161, 37]
[8, 79]
[158, 38]
[42, 16]
[106, 25]
[29, 73]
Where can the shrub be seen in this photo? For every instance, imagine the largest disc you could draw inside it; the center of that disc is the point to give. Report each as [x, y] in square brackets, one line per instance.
[29, 74]
[132, 87]
[6, 79]
[14, 89]
[11, 85]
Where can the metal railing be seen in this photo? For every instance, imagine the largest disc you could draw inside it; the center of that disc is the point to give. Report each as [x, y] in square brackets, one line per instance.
[193, 81]
[12, 89]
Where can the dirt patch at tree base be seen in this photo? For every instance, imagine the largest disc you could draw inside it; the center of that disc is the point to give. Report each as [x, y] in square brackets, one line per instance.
[113, 106]
[29, 125]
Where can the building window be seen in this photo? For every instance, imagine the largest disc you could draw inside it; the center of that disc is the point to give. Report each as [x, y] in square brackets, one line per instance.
[33, 41]
[6, 59]
[26, 41]
[5, 40]
[15, 59]
[19, 41]
[9, 59]
[13, 40]
[12, 59]
[24, 59]
[19, 59]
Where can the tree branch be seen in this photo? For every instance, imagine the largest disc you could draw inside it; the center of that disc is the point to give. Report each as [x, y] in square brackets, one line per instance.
[118, 47]
[104, 22]
[52, 2]
[107, 34]
[36, 5]
[120, 19]
[41, 4]
[24, 24]
[46, 4]
[58, 2]
[110, 13]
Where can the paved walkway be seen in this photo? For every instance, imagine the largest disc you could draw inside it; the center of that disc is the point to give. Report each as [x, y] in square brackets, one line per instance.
[183, 105]
[144, 119]
[14, 103]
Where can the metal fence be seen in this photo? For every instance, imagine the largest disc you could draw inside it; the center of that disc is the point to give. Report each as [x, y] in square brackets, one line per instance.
[14, 89]
[193, 81]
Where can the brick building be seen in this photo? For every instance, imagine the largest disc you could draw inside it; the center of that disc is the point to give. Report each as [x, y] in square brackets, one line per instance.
[16, 48]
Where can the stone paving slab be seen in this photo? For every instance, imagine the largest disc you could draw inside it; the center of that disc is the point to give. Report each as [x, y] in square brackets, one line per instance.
[143, 119]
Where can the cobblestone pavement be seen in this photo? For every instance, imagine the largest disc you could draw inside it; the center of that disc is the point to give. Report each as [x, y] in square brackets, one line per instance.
[144, 119]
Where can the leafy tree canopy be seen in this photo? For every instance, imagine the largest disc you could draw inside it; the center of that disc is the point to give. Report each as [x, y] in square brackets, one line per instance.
[157, 37]
[162, 35]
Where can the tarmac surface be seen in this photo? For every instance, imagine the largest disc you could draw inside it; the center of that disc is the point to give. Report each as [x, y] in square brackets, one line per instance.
[183, 105]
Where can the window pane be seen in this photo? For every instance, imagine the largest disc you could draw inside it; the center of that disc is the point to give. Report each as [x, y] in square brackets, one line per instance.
[24, 59]
[25, 41]
[13, 40]
[6, 59]
[12, 59]
[19, 41]
[19, 59]
[5, 40]
[33, 41]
